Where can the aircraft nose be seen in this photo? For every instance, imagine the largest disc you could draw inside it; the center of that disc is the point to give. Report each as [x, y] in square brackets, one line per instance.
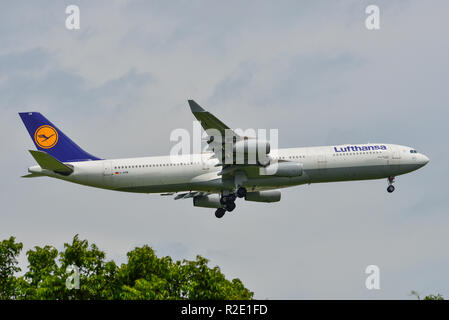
[424, 160]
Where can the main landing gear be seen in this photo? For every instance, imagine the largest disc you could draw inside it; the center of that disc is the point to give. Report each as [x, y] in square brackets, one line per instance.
[390, 188]
[219, 213]
[241, 192]
[228, 202]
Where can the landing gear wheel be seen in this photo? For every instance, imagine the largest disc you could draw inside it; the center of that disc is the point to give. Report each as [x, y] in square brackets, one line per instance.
[390, 188]
[229, 198]
[230, 206]
[241, 192]
[219, 213]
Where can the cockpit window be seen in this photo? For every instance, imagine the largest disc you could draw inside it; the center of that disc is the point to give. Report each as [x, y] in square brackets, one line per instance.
[413, 151]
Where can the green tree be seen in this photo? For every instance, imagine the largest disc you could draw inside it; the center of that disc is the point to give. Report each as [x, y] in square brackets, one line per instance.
[97, 276]
[43, 278]
[428, 297]
[202, 282]
[434, 297]
[144, 276]
[9, 251]
[47, 272]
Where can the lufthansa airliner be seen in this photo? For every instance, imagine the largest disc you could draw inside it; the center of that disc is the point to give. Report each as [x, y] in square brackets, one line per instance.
[214, 179]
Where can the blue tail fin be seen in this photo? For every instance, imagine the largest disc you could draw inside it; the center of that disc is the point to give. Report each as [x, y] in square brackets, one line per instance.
[48, 138]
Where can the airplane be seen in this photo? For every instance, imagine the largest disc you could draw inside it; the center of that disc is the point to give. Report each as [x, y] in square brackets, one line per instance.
[210, 178]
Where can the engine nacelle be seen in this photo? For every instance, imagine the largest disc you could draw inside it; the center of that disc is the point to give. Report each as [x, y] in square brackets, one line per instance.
[283, 169]
[252, 146]
[263, 196]
[207, 201]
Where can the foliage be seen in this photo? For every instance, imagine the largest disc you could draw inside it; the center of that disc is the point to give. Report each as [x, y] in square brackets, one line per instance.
[144, 276]
[9, 251]
[434, 297]
[429, 297]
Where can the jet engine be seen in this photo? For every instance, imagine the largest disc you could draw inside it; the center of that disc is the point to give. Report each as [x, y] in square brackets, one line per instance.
[207, 201]
[264, 196]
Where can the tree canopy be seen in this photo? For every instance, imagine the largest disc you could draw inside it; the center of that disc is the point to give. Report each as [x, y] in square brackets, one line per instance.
[144, 276]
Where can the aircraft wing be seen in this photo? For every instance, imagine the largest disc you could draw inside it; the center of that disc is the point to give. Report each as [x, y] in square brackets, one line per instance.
[220, 135]
[222, 147]
[209, 121]
[186, 195]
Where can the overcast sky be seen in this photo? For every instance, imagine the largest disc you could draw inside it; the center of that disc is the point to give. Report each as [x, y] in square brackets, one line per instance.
[120, 84]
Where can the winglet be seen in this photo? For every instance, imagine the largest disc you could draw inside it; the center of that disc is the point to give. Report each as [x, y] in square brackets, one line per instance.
[195, 107]
[208, 120]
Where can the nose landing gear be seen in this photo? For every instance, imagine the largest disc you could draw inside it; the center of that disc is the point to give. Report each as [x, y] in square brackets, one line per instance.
[390, 188]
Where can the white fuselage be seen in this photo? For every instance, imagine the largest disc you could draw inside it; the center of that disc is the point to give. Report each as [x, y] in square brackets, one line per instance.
[201, 173]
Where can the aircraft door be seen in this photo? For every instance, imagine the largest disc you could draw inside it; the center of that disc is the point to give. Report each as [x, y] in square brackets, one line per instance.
[107, 168]
[204, 162]
[322, 162]
[395, 159]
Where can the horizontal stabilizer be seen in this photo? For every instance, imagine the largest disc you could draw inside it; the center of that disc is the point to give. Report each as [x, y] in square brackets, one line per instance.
[46, 161]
